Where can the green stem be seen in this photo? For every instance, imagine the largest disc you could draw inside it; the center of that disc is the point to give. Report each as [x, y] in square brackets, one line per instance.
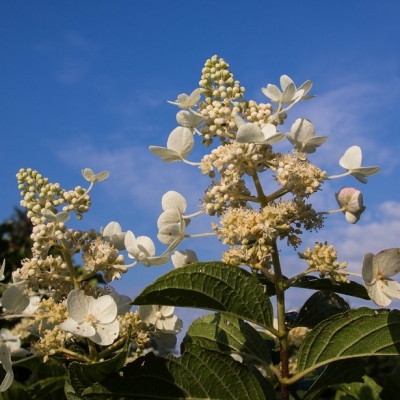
[261, 196]
[280, 304]
[68, 259]
[112, 347]
[92, 351]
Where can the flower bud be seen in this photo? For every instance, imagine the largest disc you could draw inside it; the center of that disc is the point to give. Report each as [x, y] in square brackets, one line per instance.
[351, 202]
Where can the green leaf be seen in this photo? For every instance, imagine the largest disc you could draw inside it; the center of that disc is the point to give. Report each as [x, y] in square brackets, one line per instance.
[355, 333]
[319, 307]
[367, 390]
[220, 332]
[47, 389]
[70, 393]
[198, 374]
[342, 371]
[16, 391]
[212, 286]
[350, 289]
[83, 376]
[391, 386]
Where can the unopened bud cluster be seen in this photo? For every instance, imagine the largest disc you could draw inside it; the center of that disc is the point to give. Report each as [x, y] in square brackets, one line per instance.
[223, 100]
[297, 174]
[38, 195]
[324, 259]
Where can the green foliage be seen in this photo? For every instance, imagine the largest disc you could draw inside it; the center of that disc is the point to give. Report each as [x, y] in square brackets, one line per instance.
[198, 374]
[212, 286]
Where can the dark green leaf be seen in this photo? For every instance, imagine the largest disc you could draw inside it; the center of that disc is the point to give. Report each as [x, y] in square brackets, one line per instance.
[229, 335]
[198, 374]
[367, 390]
[342, 371]
[85, 375]
[391, 387]
[16, 391]
[70, 393]
[354, 333]
[350, 289]
[212, 286]
[49, 389]
[320, 306]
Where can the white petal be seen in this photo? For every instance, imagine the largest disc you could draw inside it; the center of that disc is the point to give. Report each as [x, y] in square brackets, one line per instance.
[103, 308]
[3, 266]
[146, 311]
[77, 305]
[131, 243]
[351, 158]
[194, 97]
[165, 154]
[81, 329]
[101, 176]
[169, 233]
[181, 140]
[167, 311]
[352, 218]
[13, 298]
[390, 288]
[388, 262]
[289, 93]
[106, 333]
[368, 273]
[170, 325]
[285, 81]
[111, 228]
[271, 135]
[302, 130]
[173, 199]
[159, 260]
[317, 140]
[170, 216]
[239, 121]
[365, 171]
[377, 295]
[122, 302]
[306, 87]
[146, 245]
[272, 92]
[181, 101]
[5, 361]
[249, 133]
[187, 119]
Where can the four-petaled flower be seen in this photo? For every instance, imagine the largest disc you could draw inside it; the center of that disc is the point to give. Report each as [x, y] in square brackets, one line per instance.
[351, 160]
[250, 133]
[93, 318]
[113, 234]
[188, 102]
[302, 136]
[171, 223]
[162, 317]
[351, 201]
[180, 143]
[290, 94]
[181, 258]
[376, 272]
[143, 250]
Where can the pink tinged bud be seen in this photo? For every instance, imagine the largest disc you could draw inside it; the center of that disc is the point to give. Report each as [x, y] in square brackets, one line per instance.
[351, 202]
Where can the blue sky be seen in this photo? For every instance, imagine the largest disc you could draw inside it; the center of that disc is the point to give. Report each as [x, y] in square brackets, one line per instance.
[86, 84]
